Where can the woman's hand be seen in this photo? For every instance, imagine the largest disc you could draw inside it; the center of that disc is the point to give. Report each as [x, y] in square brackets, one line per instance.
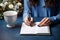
[45, 22]
[28, 21]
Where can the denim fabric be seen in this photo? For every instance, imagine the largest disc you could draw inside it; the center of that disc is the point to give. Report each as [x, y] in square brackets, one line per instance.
[40, 11]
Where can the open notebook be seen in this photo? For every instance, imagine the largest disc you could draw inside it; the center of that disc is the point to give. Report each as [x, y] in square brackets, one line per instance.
[35, 30]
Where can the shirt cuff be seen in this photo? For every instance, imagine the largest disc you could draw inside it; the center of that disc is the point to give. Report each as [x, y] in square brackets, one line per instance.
[52, 18]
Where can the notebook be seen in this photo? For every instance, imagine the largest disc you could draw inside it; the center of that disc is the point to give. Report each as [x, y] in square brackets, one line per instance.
[35, 30]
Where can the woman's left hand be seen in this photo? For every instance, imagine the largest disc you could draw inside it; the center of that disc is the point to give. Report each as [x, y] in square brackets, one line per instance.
[45, 22]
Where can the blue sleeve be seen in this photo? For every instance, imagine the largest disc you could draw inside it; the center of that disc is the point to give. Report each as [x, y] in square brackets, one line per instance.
[57, 17]
[54, 18]
[26, 8]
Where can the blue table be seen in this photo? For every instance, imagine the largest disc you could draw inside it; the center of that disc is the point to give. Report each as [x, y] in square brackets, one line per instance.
[14, 33]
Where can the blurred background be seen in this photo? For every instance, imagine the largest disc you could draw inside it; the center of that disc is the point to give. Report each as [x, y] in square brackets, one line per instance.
[14, 5]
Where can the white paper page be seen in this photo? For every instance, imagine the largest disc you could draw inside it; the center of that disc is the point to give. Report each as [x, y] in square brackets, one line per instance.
[27, 29]
[34, 30]
[44, 29]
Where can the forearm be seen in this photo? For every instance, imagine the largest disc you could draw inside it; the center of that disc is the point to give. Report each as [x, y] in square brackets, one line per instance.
[26, 8]
[55, 18]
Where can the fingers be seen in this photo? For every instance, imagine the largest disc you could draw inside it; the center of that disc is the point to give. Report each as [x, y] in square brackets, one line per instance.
[45, 22]
[28, 21]
[48, 22]
[42, 20]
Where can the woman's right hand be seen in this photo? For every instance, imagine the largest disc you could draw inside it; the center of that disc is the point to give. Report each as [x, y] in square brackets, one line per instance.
[27, 21]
